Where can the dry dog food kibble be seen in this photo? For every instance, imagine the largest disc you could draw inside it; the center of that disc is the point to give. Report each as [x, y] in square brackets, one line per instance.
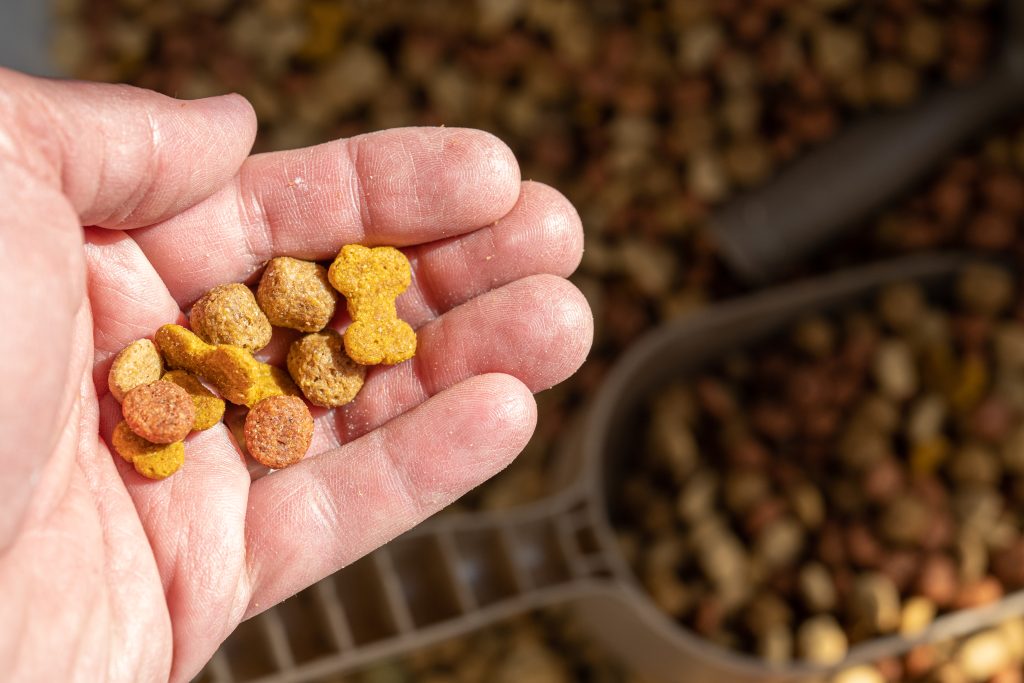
[319, 365]
[160, 412]
[371, 279]
[229, 314]
[137, 364]
[229, 325]
[296, 294]
[232, 370]
[209, 408]
[151, 460]
[278, 431]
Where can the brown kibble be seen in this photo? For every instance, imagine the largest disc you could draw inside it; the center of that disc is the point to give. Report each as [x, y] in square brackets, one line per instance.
[984, 288]
[296, 294]
[319, 365]
[371, 279]
[209, 408]
[893, 83]
[151, 460]
[232, 370]
[278, 431]
[137, 364]
[902, 306]
[159, 412]
[229, 314]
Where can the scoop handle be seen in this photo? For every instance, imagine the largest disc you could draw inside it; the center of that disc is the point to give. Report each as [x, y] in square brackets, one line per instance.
[449, 576]
[764, 232]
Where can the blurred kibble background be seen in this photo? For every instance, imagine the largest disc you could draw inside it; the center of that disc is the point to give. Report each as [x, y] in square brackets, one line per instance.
[854, 478]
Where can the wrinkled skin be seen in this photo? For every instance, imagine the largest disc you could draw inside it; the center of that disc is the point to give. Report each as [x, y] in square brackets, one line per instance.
[108, 576]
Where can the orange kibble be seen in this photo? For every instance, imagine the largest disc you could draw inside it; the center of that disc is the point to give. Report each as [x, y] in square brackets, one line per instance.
[278, 431]
[371, 279]
[160, 412]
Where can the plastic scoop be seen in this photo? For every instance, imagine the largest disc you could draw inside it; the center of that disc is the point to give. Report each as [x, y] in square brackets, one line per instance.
[457, 573]
[763, 233]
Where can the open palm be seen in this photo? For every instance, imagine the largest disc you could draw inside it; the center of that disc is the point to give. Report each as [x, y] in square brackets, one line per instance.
[105, 575]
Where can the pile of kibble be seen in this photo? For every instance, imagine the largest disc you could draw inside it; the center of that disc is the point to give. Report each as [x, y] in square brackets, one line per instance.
[857, 478]
[229, 325]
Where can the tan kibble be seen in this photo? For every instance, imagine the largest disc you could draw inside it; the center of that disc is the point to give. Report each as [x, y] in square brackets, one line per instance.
[895, 370]
[151, 460]
[137, 364]
[859, 674]
[918, 614]
[821, 640]
[876, 603]
[371, 279]
[209, 408]
[229, 314]
[231, 370]
[278, 431]
[160, 412]
[817, 588]
[319, 365]
[296, 294]
[983, 655]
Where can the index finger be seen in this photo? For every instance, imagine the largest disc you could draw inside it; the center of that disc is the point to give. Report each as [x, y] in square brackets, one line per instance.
[399, 187]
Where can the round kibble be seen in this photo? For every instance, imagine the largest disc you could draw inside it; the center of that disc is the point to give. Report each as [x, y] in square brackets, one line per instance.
[278, 431]
[295, 293]
[319, 365]
[985, 289]
[229, 314]
[151, 460]
[137, 364]
[160, 412]
[209, 408]
[821, 640]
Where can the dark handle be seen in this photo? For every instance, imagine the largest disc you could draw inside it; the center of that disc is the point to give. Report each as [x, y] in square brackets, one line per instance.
[828, 191]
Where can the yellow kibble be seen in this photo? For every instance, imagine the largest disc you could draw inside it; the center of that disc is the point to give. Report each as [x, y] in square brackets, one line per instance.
[209, 408]
[151, 460]
[371, 279]
[233, 372]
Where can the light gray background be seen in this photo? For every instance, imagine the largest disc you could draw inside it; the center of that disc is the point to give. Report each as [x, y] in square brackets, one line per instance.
[24, 40]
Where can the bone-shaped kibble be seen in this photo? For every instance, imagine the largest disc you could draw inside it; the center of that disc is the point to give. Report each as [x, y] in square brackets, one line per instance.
[233, 372]
[371, 279]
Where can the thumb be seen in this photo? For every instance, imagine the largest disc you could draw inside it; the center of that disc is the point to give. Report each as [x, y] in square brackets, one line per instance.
[124, 157]
[71, 154]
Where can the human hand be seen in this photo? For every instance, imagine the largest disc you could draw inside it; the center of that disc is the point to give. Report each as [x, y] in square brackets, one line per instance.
[109, 576]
